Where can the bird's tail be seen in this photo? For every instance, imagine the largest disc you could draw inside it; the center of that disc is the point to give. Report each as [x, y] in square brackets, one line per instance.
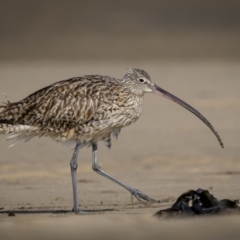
[18, 132]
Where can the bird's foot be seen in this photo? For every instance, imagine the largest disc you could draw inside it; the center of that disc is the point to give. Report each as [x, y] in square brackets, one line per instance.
[78, 211]
[90, 212]
[141, 196]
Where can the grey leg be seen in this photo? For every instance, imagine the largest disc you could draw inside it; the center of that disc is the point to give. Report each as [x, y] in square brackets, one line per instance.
[135, 192]
[74, 166]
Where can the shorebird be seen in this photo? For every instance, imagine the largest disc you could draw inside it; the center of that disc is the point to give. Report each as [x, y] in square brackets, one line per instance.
[85, 110]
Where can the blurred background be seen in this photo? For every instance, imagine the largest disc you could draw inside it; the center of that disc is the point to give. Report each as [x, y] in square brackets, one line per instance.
[104, 30]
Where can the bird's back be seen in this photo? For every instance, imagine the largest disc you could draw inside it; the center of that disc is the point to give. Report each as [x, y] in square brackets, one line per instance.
[85, 109]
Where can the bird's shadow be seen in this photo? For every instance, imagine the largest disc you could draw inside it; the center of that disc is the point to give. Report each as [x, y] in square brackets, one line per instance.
[60, 211]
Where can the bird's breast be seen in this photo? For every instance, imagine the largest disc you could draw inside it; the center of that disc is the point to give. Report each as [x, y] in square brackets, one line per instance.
[109, 117]
[132, 110]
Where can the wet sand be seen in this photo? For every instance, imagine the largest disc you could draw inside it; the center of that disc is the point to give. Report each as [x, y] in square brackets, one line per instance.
[167, 152]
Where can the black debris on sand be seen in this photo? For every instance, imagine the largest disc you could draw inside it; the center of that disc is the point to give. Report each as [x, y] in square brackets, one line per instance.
[199, 202]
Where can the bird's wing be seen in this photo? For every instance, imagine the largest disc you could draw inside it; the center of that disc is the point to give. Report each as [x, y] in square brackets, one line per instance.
[60, 105]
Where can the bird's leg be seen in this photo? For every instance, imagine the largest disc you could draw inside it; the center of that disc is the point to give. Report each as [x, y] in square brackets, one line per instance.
[74, 166]
[135, 192]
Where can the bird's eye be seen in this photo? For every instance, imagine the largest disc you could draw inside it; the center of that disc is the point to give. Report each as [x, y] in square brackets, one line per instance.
[141, 80]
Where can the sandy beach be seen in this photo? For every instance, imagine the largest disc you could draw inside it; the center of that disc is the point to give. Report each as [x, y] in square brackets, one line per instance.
[167, 152]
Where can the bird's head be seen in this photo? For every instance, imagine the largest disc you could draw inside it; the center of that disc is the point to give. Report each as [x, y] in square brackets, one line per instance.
[139, 82]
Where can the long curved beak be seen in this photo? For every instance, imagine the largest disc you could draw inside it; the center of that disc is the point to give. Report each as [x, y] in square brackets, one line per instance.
[162, 92]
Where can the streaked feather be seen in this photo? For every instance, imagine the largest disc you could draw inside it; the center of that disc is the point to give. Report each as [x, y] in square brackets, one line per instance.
[85, 109]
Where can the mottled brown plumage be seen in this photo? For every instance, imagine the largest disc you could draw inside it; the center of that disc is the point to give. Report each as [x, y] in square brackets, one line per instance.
[82, 109]
[85, 110]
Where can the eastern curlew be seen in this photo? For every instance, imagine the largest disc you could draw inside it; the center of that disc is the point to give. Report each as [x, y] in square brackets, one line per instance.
[85, 110]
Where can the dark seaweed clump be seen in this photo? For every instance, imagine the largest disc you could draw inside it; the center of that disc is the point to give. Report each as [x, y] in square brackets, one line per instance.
[199, 202]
